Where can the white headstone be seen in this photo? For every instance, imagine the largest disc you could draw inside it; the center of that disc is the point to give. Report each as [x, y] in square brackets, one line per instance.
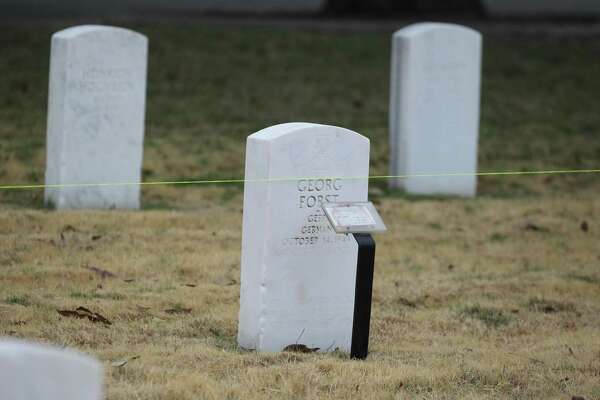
[298, 276]
[96, 107]
[434, 108]
[36, 372]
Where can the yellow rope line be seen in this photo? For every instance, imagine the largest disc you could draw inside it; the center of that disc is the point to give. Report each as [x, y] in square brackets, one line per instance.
[232, 181]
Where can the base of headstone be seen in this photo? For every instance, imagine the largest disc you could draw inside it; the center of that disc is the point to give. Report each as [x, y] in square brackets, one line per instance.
[363, 294]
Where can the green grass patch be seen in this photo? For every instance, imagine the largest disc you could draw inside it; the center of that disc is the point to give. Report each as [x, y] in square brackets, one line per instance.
[498, 237]
[22, 300]
[96, 295]
[491, 317]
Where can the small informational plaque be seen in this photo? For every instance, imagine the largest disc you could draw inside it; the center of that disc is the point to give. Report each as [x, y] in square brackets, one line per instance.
[354, 217]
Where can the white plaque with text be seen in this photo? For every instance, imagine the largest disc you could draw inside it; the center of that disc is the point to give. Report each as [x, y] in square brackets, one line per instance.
[357, 217]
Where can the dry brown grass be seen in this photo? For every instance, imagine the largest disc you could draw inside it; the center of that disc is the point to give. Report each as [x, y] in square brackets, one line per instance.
[484, 298]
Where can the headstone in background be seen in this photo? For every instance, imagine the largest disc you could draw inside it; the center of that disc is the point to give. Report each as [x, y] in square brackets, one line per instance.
[298, 276]
[434, 108]
[96, 107]
[37, 372]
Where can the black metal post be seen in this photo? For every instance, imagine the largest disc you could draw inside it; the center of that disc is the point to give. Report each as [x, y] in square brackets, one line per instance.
[362, 295]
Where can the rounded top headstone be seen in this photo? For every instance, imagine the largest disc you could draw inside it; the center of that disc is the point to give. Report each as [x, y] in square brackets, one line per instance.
[421, 28]
[297, 276]
[84, 30]
[277, 131]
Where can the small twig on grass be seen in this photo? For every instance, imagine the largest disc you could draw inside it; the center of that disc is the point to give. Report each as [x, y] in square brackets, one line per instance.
[123, 362]
[570, 350]
[102, 272]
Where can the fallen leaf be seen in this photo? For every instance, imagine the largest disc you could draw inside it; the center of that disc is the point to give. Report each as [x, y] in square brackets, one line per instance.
[101, 272]
[549, 309]
[530, 226]
[121, 363]
[82, 312]
[406, 302]
[300, 348]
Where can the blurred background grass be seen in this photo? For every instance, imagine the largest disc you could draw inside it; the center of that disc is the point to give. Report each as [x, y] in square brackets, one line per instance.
[212, 85]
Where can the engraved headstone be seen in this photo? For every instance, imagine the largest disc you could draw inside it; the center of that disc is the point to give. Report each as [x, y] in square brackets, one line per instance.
[96, 107]
[35, 372]
[434, 108]
[298, 275]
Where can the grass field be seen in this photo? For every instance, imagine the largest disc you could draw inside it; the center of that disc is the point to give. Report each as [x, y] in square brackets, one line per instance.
[493, 297]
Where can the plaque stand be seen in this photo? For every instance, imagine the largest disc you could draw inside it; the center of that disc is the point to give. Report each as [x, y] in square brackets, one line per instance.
[362, 295]
[361, 219]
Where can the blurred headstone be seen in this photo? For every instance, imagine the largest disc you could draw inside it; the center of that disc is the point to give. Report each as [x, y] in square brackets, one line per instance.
[96, 107]
[298, 275]
[37, 372]
[434, 108]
